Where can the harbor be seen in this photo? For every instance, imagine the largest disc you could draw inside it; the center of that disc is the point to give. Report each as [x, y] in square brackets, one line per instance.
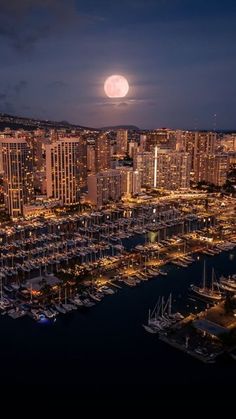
[109, 339]
[71, 288]
[49, 268]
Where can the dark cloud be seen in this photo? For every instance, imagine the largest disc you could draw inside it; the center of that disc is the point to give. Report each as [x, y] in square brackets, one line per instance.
[2, 96]
[25, 22]
[19, 87]
[9, 96]
[125, 103]
[7, 107]
[57, 84]
[122, 104]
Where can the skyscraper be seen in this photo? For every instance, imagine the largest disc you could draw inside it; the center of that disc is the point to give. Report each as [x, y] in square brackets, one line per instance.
[133, 149]
[130, 181]
[102, 153]
[63, 170]
[143, 163]
[171, 170]
[104, 187]
[122, 142]
[18, 174]
[91, 158]
[214, 168]
[196, 144]
[82, 164]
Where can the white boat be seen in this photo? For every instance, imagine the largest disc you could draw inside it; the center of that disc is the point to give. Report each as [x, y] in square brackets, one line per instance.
[204, 291]
[150, 329]
[60, 309]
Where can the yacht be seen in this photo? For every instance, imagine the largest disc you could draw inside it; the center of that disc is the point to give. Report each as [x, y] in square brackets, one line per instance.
[204, 291]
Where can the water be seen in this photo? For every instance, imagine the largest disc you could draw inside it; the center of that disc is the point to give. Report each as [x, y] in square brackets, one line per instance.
[104, 351]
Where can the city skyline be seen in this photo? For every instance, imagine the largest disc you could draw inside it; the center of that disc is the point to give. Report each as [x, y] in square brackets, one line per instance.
[179, 60]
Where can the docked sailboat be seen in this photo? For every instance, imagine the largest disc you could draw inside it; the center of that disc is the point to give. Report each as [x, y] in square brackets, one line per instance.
[228, 282]
[161, 317]
[205, 292]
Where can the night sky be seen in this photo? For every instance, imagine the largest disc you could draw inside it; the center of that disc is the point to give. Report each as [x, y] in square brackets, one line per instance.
[179, 57]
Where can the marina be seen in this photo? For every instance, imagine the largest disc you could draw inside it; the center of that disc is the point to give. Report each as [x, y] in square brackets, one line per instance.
[85, 298]
[70, 263]
[111, 333]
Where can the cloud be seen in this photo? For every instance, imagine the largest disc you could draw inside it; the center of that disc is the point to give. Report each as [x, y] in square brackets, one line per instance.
[7, 107]
[25, 22]
[125, 103]
[20, 86]
[10, 94]
[57, 84]
[122, 104]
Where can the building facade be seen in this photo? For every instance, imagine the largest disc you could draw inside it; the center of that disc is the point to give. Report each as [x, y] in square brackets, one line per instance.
[104, 187]
[121, 142]
[102, 153]
[130, 181]
[63, 162]
[144, 164]
[214, 168]
[171, 170]
[17, 174]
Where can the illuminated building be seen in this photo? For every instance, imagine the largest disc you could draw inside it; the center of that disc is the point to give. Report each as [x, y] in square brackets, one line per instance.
[91, 158]
[82, 164]
[196, 144]
[204, 144]
[122, 142]
[143, 163]
[171, 170]
[142, 144]
[130, 181]
[214, 168]
[133, 149]
[161, 139]
[104, 187]
[229, 142]
[18, 175]
[102, 153]
[63, 170]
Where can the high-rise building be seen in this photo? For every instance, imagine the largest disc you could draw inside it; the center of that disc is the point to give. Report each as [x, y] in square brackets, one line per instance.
[142, 143]
[171, 169]
[82, 164]
[204, 144]
[91, 158]
[143, 163]
[104, 187]
[63, 170]
[121, 142]
[102, 153]
[214, 168]
[229, 142]
[163, 138]
[133, 149]
[196, 144]
[18, 175]
[130, 181]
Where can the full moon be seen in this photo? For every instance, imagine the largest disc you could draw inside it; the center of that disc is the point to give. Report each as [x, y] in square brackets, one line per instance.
[116, 86]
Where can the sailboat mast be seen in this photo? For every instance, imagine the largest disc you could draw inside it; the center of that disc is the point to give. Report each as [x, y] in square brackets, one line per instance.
[204, 275]
[170, 303]
[212, 278]
[162, 306]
